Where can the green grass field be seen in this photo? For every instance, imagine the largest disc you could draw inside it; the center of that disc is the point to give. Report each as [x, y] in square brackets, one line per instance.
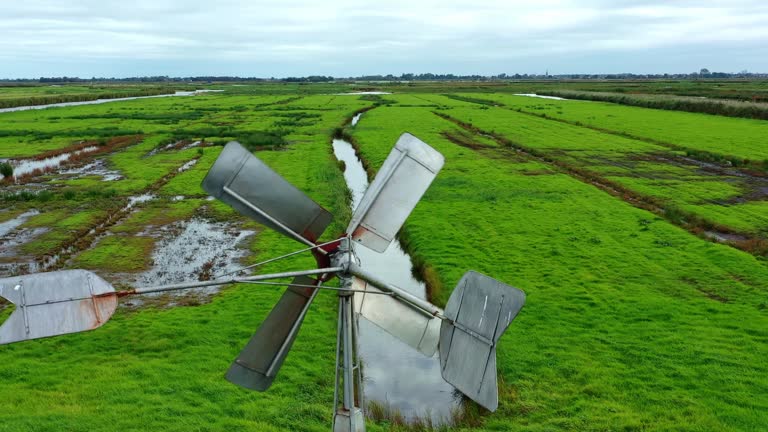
[735, 138]
[631, 323]
[667, 176]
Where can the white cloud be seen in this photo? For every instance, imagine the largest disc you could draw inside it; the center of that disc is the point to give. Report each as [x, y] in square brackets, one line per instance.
[298, 37]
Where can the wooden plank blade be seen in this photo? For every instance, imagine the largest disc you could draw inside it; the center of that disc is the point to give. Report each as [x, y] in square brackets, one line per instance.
[55, 303]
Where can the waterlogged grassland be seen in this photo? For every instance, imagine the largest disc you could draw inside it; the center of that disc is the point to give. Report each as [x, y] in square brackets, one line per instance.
[166, 366]
[630, 322]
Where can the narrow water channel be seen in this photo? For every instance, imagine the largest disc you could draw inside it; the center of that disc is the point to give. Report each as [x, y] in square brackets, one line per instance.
[395, 375]
[101, 101]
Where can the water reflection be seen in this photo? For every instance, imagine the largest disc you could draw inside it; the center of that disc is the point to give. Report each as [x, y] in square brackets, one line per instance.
[394, 373]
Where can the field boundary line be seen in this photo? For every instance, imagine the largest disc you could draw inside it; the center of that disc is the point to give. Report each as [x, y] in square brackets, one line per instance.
[696, 225]
[759, 167]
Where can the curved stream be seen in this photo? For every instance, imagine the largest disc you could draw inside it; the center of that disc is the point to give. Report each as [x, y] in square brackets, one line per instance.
[395, 375]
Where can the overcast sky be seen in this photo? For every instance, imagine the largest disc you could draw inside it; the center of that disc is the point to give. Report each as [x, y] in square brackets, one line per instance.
[347, 38]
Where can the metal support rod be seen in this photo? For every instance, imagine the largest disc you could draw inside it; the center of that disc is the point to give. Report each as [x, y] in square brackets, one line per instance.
[349, 366]
[359, 367]
[349, 415]
[397, 292]
[322, 287]
[188, 285]
[338, 354]
[278, 258]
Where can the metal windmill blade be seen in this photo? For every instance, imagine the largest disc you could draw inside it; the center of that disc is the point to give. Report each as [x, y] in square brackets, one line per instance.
[55, 303]
[478, 312]
[248, 185]
[410, 324]
[391, 197]
[241, 180]
[258, 363]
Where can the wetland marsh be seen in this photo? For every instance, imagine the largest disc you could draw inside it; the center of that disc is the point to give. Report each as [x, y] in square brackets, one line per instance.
[640, 237]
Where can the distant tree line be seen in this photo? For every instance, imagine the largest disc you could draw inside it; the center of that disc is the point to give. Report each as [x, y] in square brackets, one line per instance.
[729, 108]
[702, 74]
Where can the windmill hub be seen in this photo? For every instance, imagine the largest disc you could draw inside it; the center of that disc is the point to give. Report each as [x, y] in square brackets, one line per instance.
[344, 257]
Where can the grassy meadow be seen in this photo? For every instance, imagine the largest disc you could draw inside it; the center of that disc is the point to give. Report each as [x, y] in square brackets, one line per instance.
[636, 318]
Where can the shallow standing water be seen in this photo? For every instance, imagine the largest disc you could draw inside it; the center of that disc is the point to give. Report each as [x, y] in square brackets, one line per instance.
[11, 237]
[540, 96]
[194, 249]
[26, 166]
[394, 373]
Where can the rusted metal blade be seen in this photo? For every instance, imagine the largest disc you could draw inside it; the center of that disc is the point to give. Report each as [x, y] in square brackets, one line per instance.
[413, 326]
[241, 180]
[391, 197]
[478, 312]
[55, 303]
[258, 363]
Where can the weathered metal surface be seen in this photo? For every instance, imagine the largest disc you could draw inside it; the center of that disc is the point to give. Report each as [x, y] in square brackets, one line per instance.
[258, 363]
[396, 292]
[55, 303]
[241, 180]
[478, 312]
[413, 326]
[399, 185]
[349, 421]
[349, 381]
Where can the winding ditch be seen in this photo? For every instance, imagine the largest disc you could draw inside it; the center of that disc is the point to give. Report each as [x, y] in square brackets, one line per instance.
[397, 378]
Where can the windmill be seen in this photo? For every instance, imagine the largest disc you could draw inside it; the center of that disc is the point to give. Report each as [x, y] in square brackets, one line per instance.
[466, 333]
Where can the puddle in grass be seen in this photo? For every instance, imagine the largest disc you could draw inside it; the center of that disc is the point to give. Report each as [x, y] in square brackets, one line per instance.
[95, 168]
[187, 165]
[192, 250]
[138, 199]
[11, 237]
[723, 237]
[356, 119]
[10, 225]
[26, 166]
[395, 374]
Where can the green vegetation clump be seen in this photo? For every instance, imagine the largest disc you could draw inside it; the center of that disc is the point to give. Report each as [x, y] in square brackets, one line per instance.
[255, 140]
[6, 169]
